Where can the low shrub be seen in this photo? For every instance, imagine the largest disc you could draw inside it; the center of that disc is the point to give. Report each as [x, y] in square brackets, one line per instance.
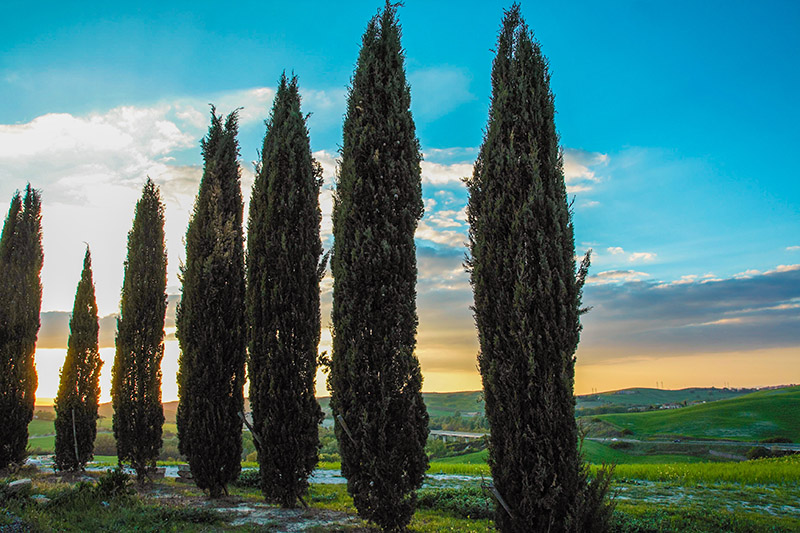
[105, 444]
[466, 502]
[777, 440]
[113, 484]
[248, 479]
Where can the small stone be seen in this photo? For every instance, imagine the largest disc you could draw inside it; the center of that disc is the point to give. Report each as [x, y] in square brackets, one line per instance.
[18, 485]
[40, 499]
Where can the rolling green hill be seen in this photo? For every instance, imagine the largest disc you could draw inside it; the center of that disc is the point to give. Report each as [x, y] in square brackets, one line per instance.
[756, 416]
[467, 403]
[644, 397]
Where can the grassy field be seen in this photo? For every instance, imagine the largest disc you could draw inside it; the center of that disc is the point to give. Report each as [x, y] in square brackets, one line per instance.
[755, 416]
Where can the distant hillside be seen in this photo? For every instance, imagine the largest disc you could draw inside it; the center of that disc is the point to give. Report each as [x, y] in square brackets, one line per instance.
[470, 403]
[644, 397]
[756, 416]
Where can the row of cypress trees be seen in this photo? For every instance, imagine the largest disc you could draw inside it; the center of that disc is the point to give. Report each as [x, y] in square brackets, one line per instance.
[522, 267]
[136, 373]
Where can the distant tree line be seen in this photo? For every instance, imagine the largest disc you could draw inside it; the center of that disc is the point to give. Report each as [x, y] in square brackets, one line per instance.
[258, 309]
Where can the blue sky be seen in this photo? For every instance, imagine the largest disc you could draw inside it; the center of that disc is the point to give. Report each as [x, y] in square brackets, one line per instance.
[678, 122]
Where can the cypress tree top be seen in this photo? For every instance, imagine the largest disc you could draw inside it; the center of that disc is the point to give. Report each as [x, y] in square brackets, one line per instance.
[283, 274]
[375, 377]
[527, 293]
[21, 259]
[136, 375]
[79, 385]
[210, 317]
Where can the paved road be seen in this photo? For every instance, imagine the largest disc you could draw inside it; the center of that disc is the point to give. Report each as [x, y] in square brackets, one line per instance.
[457, 434]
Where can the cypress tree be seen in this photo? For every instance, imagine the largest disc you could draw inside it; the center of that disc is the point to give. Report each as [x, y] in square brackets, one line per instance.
[136, 374]
[527, 292]
[21, 260]
[210, 318]
[375, 378]
[79, 386]
[283, 274]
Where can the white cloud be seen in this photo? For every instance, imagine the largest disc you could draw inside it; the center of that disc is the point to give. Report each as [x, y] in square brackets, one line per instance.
[439, 174]
[783, 268]
[329, 165]
[634, 257]
[641, 256]
[446, 237]
[793, 248]
[616, 276]
[459, 153]
[581, 169]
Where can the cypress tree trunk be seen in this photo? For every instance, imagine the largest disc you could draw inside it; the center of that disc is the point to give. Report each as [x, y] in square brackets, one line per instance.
[375, 378]
[136, 374]
[21, 260]
[79, 386]
[527, 293]
[283, 274]
[210, 318]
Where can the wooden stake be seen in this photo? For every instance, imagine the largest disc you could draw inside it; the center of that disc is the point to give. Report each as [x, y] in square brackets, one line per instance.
[340, 418]
[252, 431]
[75, 437]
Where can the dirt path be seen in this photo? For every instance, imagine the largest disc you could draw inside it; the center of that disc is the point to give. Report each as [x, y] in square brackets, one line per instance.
[242, 511]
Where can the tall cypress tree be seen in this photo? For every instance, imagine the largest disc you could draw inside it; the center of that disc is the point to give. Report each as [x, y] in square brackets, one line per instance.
[136, 374]
[283, 274]
[20, 302]
[210, 318]
[79, 386]
[375, 378]
[527, 292]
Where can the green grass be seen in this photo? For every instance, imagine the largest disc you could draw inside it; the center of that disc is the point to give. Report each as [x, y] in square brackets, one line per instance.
[780, 471]
[44, 444]
[756, 416]
[593, 452]
[697, 518]
[474, 458]
[41, 427]
[597, 453]
[335, 498]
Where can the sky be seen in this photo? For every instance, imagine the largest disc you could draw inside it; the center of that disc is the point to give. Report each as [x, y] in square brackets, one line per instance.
[678, 123]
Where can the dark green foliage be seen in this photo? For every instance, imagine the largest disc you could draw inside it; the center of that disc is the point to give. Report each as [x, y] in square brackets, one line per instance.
[375, 377]
[79, 385]
[136, 374]
[467, 502]
[527, 293]
[248, 479]
[210, 318]
[283, 274]
[595, 509]
[114, 484]
[20, 301]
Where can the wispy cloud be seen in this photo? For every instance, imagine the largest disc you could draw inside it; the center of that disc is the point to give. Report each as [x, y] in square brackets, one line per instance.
[581, 169]
[633, 257]
[693, 315]
[439, 90]
[793, 248]
[615, 276]
[441, 174]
